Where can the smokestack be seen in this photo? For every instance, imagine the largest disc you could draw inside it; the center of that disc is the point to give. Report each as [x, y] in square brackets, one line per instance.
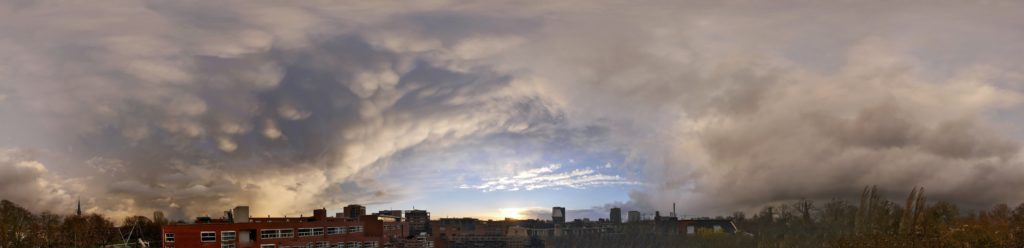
[673, 209]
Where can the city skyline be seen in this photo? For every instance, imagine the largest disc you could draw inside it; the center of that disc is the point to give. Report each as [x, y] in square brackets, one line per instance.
[506, 108]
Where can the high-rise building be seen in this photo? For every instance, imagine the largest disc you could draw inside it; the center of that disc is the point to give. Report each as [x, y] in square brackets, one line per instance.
[616, 215]
[419, 221]
[633, 216]
[353, 211]
[558, 215]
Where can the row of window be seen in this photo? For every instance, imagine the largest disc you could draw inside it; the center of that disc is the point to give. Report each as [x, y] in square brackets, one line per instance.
[306, 232]
[325, 244]
[276, 233]
[212, 236]
[209, 236]
[206, 236]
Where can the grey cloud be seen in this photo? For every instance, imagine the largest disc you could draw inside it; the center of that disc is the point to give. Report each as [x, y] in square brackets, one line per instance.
[196, 106]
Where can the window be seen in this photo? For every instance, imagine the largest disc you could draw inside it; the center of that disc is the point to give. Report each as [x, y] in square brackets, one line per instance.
[334, 230]
[208, 236]
[355, 229]
[353, 244]
[690, 230]
[339, 245]
[287, 233]
[267, 246]
[370, 244]
[169, 237]
[318, 232]
[227, 236]
[322, 244]
[269, 234]
[227, 245]
[305, 232]
[718, 228]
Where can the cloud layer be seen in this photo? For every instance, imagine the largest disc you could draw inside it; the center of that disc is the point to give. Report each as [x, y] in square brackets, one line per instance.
[193, 107]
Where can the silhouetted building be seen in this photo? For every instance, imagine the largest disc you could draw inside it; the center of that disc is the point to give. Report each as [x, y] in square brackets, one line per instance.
[78, 211]
[558, 215]
[320, 214]
[419, 221]
[633, 216]
[616, 215]
[354, 211]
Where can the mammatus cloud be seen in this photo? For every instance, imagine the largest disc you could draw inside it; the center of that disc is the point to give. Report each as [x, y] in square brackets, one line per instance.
[194, 107]
[549, 177]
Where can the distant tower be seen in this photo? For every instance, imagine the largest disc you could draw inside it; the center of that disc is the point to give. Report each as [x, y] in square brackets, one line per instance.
[673, 209]
[419, 221]
[79, 210]
[353, 211]
[616, 215]
[634, 216]
[558, 215]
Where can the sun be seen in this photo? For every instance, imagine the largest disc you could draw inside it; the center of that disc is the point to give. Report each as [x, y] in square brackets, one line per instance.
[514, 213]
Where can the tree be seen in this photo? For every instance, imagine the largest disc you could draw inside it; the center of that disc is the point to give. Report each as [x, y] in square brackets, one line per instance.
[16, 226]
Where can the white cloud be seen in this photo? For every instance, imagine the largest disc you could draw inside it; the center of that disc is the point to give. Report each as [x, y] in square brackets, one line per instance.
[550, 177]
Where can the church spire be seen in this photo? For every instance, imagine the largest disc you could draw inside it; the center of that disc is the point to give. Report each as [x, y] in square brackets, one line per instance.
[79, 210]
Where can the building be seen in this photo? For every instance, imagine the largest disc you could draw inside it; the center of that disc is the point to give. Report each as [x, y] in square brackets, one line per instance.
[558, 215]
[633, 216]
[393, 213]
[470, 232]
[696, 226]
[239, 230]
[353, 211]
[419, 221]
[615, 215]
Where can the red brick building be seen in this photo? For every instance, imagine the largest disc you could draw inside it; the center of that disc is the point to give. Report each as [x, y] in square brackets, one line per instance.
[237, 230]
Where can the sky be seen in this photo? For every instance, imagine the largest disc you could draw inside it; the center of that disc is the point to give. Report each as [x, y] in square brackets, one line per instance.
[506, 108]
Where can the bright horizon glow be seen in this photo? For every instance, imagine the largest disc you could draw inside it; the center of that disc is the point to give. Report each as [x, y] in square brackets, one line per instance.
[514, 213]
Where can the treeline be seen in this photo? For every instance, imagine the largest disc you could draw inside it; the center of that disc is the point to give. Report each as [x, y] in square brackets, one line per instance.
[21, 228]
[870, 222]
[878, 222]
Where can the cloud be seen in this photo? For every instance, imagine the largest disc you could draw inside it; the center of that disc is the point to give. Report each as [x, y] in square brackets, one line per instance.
[549, 177]
[193, 107]
[29, 183]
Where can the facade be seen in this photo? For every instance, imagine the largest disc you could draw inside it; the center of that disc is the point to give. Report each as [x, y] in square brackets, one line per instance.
[558, 215]
[353, 211]
[470, 232]
[615, 215]
[419, 221]
[238, 230]
[633, 216]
